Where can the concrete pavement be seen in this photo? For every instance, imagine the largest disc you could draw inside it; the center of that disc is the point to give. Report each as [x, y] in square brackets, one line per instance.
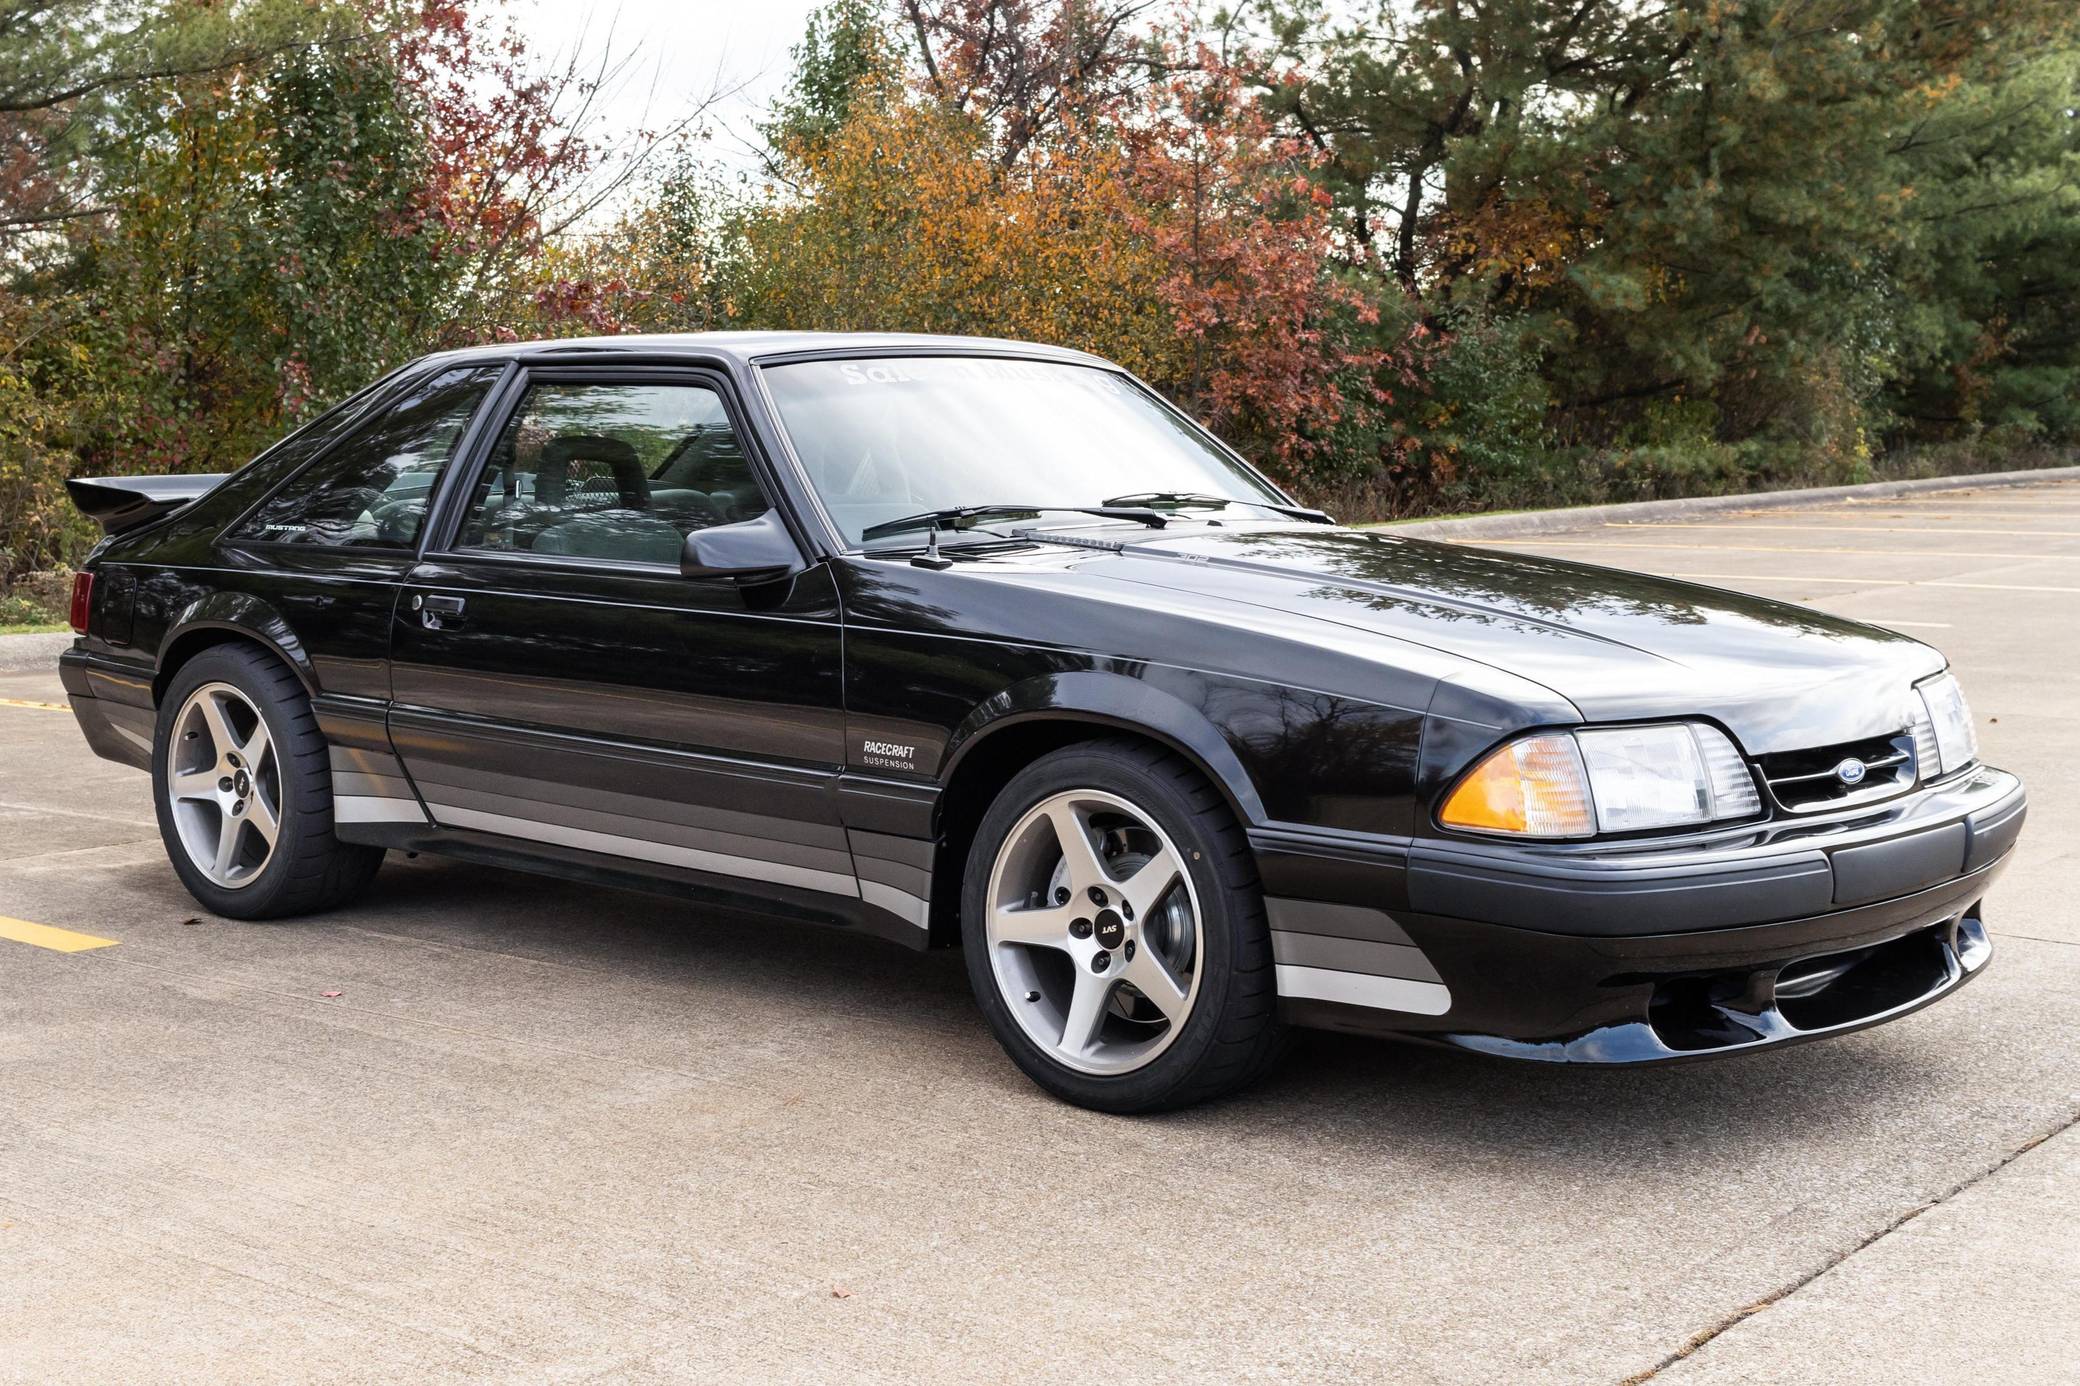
[551, 1133]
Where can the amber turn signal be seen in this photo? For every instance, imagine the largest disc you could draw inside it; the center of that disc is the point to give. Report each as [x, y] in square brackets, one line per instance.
[1535, 787]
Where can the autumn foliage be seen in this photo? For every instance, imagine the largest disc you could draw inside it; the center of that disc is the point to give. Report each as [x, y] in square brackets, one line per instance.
[1408, 256]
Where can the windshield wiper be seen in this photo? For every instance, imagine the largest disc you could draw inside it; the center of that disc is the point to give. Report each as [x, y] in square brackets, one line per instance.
[1172, 498]
[1201, 498]
[951, 516]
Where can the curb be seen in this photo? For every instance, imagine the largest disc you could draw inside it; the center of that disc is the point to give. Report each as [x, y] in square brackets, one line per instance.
[1589, 516]
[33, 653]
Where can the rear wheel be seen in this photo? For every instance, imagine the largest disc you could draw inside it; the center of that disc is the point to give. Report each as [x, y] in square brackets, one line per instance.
[243, 789]
[1115, 931]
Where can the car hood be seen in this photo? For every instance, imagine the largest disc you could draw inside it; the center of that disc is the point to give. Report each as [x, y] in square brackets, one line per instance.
[1617, 645]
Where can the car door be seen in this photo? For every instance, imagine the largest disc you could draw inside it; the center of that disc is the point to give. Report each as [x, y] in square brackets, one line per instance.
[317, 563]
[560, 687]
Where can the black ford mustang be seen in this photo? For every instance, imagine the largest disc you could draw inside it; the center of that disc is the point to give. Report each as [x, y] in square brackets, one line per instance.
[976, 642]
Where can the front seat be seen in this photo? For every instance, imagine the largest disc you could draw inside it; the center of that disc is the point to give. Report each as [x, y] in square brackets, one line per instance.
[553, 474]
[628, 532]
[631, 536]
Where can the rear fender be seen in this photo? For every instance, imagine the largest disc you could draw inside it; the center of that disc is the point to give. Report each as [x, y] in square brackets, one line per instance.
[205, 620]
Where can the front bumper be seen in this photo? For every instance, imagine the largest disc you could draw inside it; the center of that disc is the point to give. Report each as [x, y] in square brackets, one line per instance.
[1655, 952]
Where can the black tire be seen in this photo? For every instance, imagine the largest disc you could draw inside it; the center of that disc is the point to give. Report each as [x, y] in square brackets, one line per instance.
[1232, 1034]
[310, 869]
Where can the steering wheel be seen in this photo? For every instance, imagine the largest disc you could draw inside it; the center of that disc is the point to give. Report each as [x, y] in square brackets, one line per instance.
[397, 518]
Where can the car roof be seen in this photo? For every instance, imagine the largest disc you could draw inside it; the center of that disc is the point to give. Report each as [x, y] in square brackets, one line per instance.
[746, 348]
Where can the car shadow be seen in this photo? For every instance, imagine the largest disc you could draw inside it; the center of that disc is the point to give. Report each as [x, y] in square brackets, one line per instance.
[1345, 1091]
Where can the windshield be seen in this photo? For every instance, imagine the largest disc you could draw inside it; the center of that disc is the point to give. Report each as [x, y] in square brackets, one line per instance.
[892, 437]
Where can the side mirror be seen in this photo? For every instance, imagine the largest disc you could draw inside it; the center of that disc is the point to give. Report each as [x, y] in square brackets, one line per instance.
[759, 550]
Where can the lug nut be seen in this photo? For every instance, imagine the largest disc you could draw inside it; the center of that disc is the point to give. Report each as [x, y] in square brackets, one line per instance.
[1079, 928]
[1101, 962]
[1097, 895]
[238, 806]
[1129, 950]
[1126, 911]
[1061, 895]
[225, 784]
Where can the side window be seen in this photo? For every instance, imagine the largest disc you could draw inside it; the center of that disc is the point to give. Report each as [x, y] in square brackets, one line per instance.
[372, 490]
[620, 472]
[286, 455]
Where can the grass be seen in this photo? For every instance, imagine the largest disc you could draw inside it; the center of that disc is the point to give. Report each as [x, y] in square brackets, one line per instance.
[34, 628]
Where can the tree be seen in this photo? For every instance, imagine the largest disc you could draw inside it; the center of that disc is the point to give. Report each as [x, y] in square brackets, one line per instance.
[67, 65]
[905, 222]
[845, 54]
[248, 217]
[1691, 202]
[1982, 291]
[1026, 69]
[1047, 172]
[1275, 342]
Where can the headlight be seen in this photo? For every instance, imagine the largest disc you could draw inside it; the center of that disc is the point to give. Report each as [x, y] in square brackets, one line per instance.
[1944, 726]
[1611, 779]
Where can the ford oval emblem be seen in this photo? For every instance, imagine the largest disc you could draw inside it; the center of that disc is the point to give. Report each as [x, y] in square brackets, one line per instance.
[1851, 771]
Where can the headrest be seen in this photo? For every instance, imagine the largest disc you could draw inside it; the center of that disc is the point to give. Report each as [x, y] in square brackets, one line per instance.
[552, 476]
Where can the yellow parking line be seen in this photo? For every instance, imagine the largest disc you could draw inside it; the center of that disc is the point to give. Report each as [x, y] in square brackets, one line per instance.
[44, 936]
[1533, 542]
[1863, 582]
[25, 702]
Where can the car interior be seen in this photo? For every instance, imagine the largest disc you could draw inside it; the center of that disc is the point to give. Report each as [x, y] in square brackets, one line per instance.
[587, 492]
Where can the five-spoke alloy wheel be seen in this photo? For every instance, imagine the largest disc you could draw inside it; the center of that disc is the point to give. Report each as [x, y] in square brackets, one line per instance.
[226, 785]
[244, 790]
[1115, 930]
[1094, 931]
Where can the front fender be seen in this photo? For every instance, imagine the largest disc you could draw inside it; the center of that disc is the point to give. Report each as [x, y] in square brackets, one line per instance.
[1113, 700]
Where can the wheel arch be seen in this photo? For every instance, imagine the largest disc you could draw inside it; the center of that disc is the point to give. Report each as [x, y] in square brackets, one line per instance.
[1043, 715]
[224, 618]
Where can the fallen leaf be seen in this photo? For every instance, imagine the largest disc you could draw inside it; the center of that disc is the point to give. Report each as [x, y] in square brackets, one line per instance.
[191, 919]
[328, 995]
[840, 1292]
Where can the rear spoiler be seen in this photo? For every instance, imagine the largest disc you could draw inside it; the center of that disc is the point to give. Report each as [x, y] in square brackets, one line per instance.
[118, 503]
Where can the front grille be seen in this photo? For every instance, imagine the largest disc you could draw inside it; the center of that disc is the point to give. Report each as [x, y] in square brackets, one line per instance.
[1808, 781]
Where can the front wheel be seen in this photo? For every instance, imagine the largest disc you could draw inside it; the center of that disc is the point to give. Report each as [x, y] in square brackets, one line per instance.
[1115, 931]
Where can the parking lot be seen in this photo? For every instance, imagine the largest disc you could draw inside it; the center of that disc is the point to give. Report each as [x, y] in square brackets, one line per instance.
[490, 1127]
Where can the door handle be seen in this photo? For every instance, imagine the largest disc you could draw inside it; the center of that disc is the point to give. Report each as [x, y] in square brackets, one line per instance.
[435, 610]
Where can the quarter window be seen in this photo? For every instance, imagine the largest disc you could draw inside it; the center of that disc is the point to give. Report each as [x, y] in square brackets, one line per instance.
[622, 472]
[372, 490]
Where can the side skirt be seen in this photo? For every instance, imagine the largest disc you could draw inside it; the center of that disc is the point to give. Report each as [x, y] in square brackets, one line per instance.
[573, 864]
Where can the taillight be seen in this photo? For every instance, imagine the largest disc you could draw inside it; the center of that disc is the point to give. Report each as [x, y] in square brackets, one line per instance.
[82, 601]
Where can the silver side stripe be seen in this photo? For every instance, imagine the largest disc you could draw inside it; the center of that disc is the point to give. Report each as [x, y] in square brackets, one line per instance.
[670, 854]
[1363, 989]
[900, 903]
[373, 808]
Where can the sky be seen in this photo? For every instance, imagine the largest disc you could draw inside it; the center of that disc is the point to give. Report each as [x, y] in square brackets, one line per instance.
[677, 51]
